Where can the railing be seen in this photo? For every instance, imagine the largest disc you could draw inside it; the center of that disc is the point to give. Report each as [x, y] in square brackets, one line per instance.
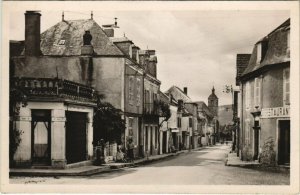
[151, 109]
[53, 87]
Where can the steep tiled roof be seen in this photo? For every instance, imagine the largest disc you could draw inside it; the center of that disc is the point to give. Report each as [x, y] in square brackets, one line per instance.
[276, 52]
[242, 61]
[71, 32]
[172, 90]
[202, 106]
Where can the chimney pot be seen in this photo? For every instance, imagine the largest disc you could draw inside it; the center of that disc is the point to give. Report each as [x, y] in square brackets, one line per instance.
[185, 90]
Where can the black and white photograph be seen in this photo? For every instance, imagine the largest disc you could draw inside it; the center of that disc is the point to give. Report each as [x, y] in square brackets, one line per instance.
[150, 97]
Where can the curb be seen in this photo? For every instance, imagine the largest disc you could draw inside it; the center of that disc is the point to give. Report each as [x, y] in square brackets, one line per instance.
[103, 169]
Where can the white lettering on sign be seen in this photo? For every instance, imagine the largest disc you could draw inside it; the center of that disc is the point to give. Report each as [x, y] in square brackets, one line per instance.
[275, 112]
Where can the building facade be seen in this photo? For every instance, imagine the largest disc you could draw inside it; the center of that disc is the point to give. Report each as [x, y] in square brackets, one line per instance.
[265, 104]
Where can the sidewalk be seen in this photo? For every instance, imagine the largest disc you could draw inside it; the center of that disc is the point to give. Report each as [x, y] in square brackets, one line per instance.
[234, 160]
[90, 169]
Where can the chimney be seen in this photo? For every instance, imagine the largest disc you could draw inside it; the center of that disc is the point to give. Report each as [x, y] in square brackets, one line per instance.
[135, 50]
[185, 90]
[87, 48]
[152, 65]
[32, 33]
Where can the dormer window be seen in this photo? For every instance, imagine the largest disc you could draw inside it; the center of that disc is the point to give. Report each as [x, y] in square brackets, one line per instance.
[288, 42]
[258, 56]
[62, 42]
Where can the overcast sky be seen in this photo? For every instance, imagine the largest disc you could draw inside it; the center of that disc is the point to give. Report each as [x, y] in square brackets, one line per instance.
[195, 49]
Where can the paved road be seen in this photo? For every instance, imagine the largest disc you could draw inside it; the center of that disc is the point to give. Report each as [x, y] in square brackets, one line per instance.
[204, 167]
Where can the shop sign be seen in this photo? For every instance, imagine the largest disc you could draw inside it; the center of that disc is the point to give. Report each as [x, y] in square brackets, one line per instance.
[275, 112]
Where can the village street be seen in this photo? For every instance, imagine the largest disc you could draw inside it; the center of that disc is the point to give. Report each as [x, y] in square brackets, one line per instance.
[201, 167]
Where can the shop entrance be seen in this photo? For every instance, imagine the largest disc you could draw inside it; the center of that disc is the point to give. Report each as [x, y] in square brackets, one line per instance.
[284, 142]
[41, 137]
[76, 149]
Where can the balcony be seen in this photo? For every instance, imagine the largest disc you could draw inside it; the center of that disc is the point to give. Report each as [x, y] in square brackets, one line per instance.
[151, 109]
[54, 87]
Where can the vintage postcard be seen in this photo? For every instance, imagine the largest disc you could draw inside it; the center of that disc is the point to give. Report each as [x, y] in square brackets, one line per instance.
[150, 97]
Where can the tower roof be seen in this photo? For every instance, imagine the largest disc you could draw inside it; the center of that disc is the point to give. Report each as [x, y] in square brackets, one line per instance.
[212, 95]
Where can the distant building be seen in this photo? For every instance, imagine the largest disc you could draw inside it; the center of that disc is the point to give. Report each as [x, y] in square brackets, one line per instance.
[265, 98]
[213, 102]
[205, 123]
[226, 125]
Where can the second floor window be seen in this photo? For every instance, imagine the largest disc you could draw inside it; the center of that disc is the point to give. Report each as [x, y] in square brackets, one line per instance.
[178, 122]
[190, 122]
[286, 87]
[248, 95]
[138, 92]
[130, 90]
[257, 90]
[259, 51]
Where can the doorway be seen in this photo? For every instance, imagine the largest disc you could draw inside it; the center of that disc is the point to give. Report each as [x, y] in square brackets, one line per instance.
[284, 142]
[76, 149]
[164, 144]
[41, 137]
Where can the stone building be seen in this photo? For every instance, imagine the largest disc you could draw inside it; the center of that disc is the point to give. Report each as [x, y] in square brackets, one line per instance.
[186, 118]
[205, 123]
[265, 99]
[85, 56]
[57, 121]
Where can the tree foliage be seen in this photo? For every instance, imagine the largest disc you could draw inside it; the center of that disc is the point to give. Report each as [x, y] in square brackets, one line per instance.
[17, 98]
[165, 111]
[108, 123]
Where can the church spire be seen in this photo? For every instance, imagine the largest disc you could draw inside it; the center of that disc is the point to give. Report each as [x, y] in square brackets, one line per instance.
[213, 90]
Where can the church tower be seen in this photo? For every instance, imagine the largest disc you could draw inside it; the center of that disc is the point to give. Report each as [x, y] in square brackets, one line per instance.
[213, 103]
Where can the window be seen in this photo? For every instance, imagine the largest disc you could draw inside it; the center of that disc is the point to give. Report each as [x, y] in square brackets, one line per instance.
[178, 122]
[138, 92]
[130, 88]
[247, 132]
[286, 87]
[190, 122]
[248, 96]
[258, 56]
[288, 40]
[156, 133]
[130, 127]
[257, 91]
[62, 42]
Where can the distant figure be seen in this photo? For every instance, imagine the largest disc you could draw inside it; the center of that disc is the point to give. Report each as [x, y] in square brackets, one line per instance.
[130, 150]
[120, 155]
[87, 38]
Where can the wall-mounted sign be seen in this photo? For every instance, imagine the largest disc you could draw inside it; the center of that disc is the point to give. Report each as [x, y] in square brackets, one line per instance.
[275, 112]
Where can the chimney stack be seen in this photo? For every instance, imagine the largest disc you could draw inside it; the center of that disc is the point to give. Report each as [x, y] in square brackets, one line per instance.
[32, 33]
[185, 90]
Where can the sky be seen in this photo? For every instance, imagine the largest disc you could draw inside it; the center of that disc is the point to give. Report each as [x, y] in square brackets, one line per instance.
[195, 49]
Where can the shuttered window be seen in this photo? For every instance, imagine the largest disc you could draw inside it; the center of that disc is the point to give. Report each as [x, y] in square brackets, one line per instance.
[286, 87]
[257, 92]
[138, 92]
[248, 96]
